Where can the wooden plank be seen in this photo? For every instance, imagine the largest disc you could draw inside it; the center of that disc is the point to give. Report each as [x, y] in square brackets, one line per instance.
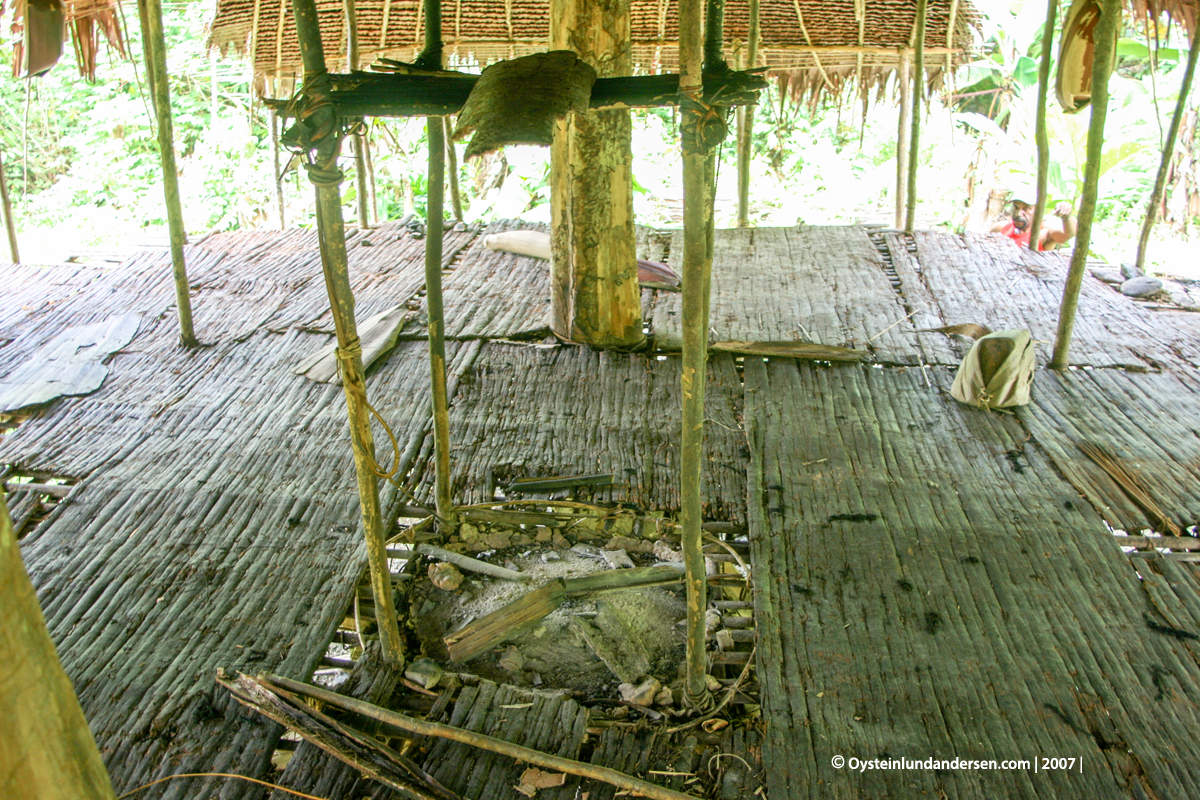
[924, 556]
[821, 285]
[527, 411]
[514, 619]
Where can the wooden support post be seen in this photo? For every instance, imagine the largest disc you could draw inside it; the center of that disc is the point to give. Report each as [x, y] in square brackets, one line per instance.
[155, 49]
[277, 179]
[595, 297]
[1042, 139]
[362, 191]
[914, 145]
[10, 225]
[452, 171]
[1168, 153]
[437, 328]
[697, 274]
[1107, 29]
[745, 125]
[904, 83]
[327, 178]
[46, 748]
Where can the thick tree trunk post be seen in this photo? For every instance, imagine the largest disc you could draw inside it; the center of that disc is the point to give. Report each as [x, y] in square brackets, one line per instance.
[277, 178]
[433, 295]
[362, 191]
[914, 144]
[10, 224]
[697, 273]
[327, 178]
[46, 748]
[1107, 29]
[745, 125]
[595, 298]
[1043, 140]
[905, 84]
[1160, 182]
[156, 70]
[452, 171]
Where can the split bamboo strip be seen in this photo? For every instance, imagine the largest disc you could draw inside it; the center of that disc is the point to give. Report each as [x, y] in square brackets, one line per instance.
[1107, 29]
[427, 728]
[914, 144]
[326, 178]
[155, 49]
[1168, 153]
[1043, 141]
[10, 225]
[697, 273]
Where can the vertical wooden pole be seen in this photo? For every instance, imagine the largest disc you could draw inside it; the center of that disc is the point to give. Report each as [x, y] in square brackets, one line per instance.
[745, 126]
[697, 273]
[905, 85]
[1168, 153]
[362, 191]
[277, 178]
[46, 748]
[155, 49]
[914, 144]
[435, 132]
[327, 178]
[452, 171]
[372, 202]
[10, 225]
[1040, 135]
[1107, 30]
[595, 297]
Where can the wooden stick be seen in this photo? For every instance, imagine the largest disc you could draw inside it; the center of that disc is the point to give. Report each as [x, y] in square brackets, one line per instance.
[156, 69]
[468, 563]
[10, 225]
[332, 233]
[1043, 140]
[745, 126]
[1107, 30]
[489, 743]
[518, 617]
[361, 190]
[277, 179]
[1168, 153]
[905, 84]
[914, 144]
[437, 326]
[452, 171]
[54, 490]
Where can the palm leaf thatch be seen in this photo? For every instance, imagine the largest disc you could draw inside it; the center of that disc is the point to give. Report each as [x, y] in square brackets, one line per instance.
[88, 21]
[820, 43]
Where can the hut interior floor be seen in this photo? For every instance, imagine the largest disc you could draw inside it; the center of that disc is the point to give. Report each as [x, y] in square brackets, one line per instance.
[931, 580]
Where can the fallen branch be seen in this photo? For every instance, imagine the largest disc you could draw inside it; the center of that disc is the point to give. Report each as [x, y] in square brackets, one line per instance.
[420, 727]
[471, 564]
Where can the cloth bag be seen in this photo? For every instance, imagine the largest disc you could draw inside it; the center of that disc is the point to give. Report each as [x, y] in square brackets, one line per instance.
[998, 372]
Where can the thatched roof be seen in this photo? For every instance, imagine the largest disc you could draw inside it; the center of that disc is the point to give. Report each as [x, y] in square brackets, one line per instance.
[827, 37]
[87, 21]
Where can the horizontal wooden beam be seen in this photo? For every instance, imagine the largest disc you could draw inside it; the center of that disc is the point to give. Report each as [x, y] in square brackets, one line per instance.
[370, 94]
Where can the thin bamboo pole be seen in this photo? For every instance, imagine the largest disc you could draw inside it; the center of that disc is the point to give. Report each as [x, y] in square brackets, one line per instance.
[905, 84]
[372, 201]
[914, 144]
[277, 178]
[437, 328]
[745, 125]
[362, 191]
[697, 273]
[1107, 30]
[1160, 181]
[332, 232]
[156, 70]
[1040, 135]
[10, 224]
[452, 170]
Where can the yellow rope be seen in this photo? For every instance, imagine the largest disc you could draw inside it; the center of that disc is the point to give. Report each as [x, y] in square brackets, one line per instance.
[345, 357]
[220, 775]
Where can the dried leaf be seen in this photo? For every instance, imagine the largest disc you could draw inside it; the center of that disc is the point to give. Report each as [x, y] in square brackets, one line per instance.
[537, 779]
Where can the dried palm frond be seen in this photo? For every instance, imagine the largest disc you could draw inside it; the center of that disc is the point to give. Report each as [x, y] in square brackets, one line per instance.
[1132, 484]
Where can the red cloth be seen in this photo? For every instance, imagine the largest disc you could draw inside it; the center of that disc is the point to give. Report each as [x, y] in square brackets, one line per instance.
[1020, 237]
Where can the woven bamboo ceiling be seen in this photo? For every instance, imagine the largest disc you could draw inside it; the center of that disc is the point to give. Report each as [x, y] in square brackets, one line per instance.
[834, 36]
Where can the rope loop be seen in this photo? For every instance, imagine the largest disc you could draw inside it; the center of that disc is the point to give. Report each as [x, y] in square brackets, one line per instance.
[703, 124]
[346, 356]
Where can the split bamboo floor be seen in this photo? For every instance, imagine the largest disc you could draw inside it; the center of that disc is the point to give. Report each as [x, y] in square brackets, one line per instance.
[932, 580]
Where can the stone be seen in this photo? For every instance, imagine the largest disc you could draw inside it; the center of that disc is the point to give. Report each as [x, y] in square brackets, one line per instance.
[622, 525]
[665, 697]
[664, 552]
[724, 639]
[625, 543]
[1130, 270]
[617, 559]
[558, 540]
[1112, 276]
[542, 535]
[468, 532]
[424, 671]
[1143, 286]
[521, 540]
[712, 683]
[445, 576]
[641, 695]
[550, 555]
[498, 540]
[511, 660]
